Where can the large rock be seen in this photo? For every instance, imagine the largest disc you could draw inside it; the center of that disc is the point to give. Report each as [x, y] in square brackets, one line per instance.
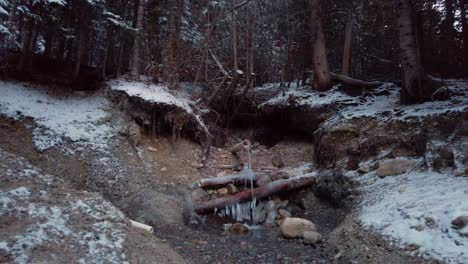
[460, 222]
[295, 227]
[395, 167]
[312, 237]
[200, 195]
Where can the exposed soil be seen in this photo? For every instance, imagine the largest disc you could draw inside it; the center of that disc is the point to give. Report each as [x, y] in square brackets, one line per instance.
[151, 187]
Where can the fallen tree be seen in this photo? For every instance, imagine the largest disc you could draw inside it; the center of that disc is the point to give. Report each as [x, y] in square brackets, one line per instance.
[237, 179]
[354, 82]
[265, 191]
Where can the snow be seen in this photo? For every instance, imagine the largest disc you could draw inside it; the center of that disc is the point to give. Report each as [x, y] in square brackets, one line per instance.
[150, 92]
[81, 119]
[73, 224]
[382, 106]
[394, 206]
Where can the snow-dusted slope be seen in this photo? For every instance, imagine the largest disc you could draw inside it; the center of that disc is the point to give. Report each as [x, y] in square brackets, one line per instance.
[45, 221]
[417, 208]
[384, 106]
[81, 119]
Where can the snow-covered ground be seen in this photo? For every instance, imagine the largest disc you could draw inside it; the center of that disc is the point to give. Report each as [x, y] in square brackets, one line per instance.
[82, 119]
[44, 221]
[385, 106]
[418, 208]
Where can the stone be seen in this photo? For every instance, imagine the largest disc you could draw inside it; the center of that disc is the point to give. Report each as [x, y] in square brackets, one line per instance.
[222, 192]
[460, 222]
[200, 195]
[277, 161]
[232, 189]
[395, 167]
[264, 180]
[459, 173]
[366, 168]
[295, 227]
[312, 237]
[283, 213]
[152, 149]
[420, 227]
[270, 206]
[239, 228]
[163, 169]
[271, 217]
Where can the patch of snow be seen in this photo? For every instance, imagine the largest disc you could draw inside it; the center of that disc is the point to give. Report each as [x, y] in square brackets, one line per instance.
[150, 92]
[20, 192]
[396, 206]
[83, 120]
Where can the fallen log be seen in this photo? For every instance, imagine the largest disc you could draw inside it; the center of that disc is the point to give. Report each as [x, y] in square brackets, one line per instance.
[257, 193]
[354, 82]
[237, 179]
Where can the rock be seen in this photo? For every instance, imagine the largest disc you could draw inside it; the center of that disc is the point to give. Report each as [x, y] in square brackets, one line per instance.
[283, 213]
[239, 228]
[460, 173]
[222, 192]
[366, 168]
[460, 222]
[282, 204]
[277, 161]
[200, 195]
[270, 206]
[134, 133]
[271, 217]
[264, 180]
[163, 169]
[152, 149]
[312, 237]
[295, 227]
[232, 189]
[420, 227]
[395, 167]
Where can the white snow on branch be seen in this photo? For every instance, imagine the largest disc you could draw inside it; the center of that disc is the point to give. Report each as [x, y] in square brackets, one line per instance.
[417, 208]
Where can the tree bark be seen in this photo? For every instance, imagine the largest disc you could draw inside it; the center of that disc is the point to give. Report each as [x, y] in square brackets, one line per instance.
[172, 69]
[135, 71]
[322, 78]
[449, 45]
[463, 6]
[416, 86]
[347, 46]
[257, 193]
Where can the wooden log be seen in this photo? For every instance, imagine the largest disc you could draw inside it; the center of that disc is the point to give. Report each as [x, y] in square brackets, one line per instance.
[237, 179]
[257, 193]
[354, 82]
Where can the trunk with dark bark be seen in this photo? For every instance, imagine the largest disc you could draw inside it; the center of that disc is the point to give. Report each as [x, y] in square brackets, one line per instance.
[416, 86]
[135, 71]
[322, 78]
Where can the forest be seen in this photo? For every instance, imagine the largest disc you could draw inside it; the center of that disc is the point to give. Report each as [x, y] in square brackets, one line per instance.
[233, 131]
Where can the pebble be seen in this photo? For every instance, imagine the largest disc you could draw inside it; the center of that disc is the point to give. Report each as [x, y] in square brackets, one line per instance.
[460, 222]
[163, 169]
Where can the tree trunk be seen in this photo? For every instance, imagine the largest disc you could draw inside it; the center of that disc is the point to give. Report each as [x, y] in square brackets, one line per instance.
[79, 50]
[234, 40]
[322, 78]
[463, 6]
[416, 86]
[449, 45]
[135, 71]
[172, 69]
[347, 46]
